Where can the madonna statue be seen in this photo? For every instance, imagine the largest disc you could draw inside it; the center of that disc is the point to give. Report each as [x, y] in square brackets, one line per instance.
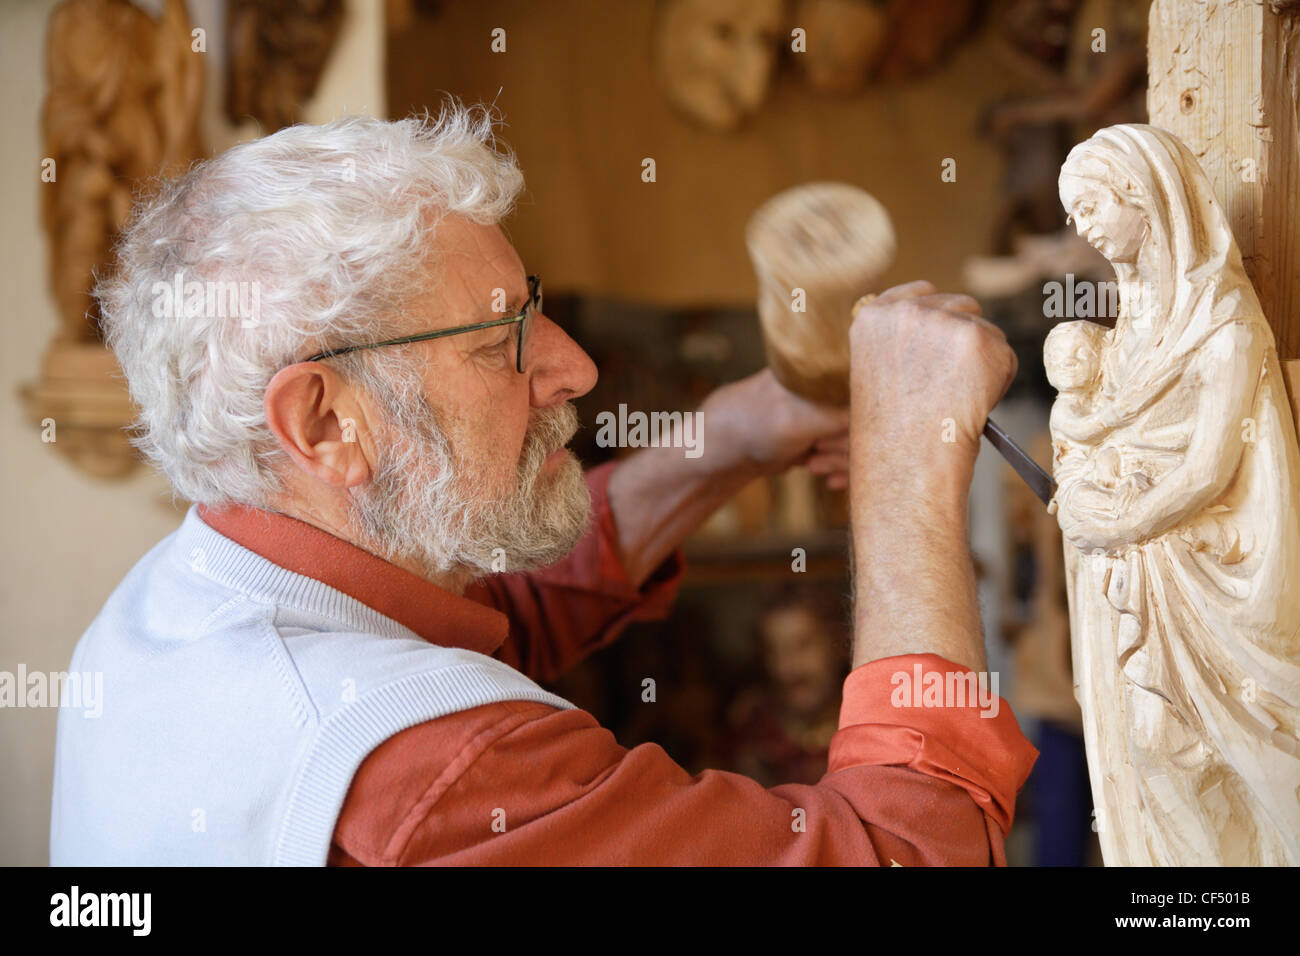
[1177, 468]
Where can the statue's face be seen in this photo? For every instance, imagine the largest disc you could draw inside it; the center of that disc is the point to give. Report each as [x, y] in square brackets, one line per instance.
[716, 56]
[1071, 362]
[1113, 227]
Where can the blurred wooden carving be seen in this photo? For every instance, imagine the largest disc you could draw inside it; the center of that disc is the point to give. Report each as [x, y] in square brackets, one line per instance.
[121, 108]
[846, 40]
[714, 58]
[278, 50]
[923, 32]
[1177, 467]
[1086, 61]
[816, 249]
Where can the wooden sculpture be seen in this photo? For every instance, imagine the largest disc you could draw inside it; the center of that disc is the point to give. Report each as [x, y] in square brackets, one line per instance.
[278, 51]
[923, 33]
[121, 108]
[816, 249]
[846, 41]
[714, 59]
[1177, 469]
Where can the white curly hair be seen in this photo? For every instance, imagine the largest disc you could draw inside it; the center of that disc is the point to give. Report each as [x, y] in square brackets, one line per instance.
[332, 225]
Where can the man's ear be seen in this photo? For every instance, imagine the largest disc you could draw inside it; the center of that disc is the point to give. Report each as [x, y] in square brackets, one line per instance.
[319, 422]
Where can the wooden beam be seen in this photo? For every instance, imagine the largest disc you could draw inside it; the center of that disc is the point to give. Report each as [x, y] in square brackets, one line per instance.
[1225, 78]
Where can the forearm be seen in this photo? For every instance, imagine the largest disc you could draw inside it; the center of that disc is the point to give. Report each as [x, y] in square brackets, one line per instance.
[914, 581]
[658, 497]
[1179, 494]
[755, 428]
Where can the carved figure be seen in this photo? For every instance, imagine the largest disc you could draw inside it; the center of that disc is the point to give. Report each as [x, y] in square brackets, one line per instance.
[715, 58]
[1177, 470]
[278, 51]
[846, 40]
[122, 106]
[922, 33]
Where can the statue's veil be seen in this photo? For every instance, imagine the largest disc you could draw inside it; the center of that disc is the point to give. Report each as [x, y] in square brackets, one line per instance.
[1193, 266]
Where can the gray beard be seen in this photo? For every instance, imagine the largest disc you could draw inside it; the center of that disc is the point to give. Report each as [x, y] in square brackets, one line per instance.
[422, 505]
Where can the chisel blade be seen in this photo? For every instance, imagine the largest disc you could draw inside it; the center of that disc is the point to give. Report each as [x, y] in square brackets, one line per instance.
[1039, 481]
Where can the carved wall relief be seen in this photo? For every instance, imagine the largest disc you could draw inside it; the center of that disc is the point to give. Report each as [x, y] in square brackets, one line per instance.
[715, 58]
[848, 39]
[121, 108]
[278, 51]
[1177, 469]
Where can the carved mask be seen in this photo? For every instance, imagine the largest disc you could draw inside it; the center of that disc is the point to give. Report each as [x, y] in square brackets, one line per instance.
[799, 654]
[846, 39]
[715, 58]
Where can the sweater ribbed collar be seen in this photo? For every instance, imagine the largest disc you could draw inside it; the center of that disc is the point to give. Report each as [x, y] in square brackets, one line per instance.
[432, 612]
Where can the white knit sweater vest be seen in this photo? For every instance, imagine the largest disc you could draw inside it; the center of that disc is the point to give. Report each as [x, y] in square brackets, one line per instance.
[238, 701]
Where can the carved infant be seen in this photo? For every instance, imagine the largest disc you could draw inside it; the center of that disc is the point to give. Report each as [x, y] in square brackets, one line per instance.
[1072, 358]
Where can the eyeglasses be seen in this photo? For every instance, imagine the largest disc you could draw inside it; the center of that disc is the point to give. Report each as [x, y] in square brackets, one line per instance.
[523, 321]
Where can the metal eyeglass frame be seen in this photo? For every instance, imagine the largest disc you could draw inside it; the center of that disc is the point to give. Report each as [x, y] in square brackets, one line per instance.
[534, 304]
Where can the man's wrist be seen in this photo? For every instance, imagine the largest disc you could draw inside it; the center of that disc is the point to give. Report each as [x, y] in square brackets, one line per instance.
[725, 455]
[939, 483]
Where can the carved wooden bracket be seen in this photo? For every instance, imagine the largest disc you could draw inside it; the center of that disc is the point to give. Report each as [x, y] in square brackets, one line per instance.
[81, 404]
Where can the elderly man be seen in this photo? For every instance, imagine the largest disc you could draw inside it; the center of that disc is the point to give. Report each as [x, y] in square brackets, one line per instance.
[333, 659]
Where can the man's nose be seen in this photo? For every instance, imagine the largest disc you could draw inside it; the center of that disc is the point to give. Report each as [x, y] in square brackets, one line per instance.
[558, 367]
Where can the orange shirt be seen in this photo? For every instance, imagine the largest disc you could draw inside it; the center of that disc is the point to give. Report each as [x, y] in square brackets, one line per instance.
[522, 783]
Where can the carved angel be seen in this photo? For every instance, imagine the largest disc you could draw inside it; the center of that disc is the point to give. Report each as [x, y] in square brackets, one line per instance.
[1177, 470]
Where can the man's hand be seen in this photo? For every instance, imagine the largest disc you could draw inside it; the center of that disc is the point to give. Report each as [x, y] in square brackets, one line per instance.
[752, 428]
[758, 425]
[927, 370]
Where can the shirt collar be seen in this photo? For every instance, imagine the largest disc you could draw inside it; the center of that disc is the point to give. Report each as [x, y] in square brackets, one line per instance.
[434, 613]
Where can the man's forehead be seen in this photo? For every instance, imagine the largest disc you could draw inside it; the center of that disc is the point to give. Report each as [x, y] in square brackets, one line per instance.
[473, 261]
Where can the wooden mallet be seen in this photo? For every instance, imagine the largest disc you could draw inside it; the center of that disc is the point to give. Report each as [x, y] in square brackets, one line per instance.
[818, 249]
